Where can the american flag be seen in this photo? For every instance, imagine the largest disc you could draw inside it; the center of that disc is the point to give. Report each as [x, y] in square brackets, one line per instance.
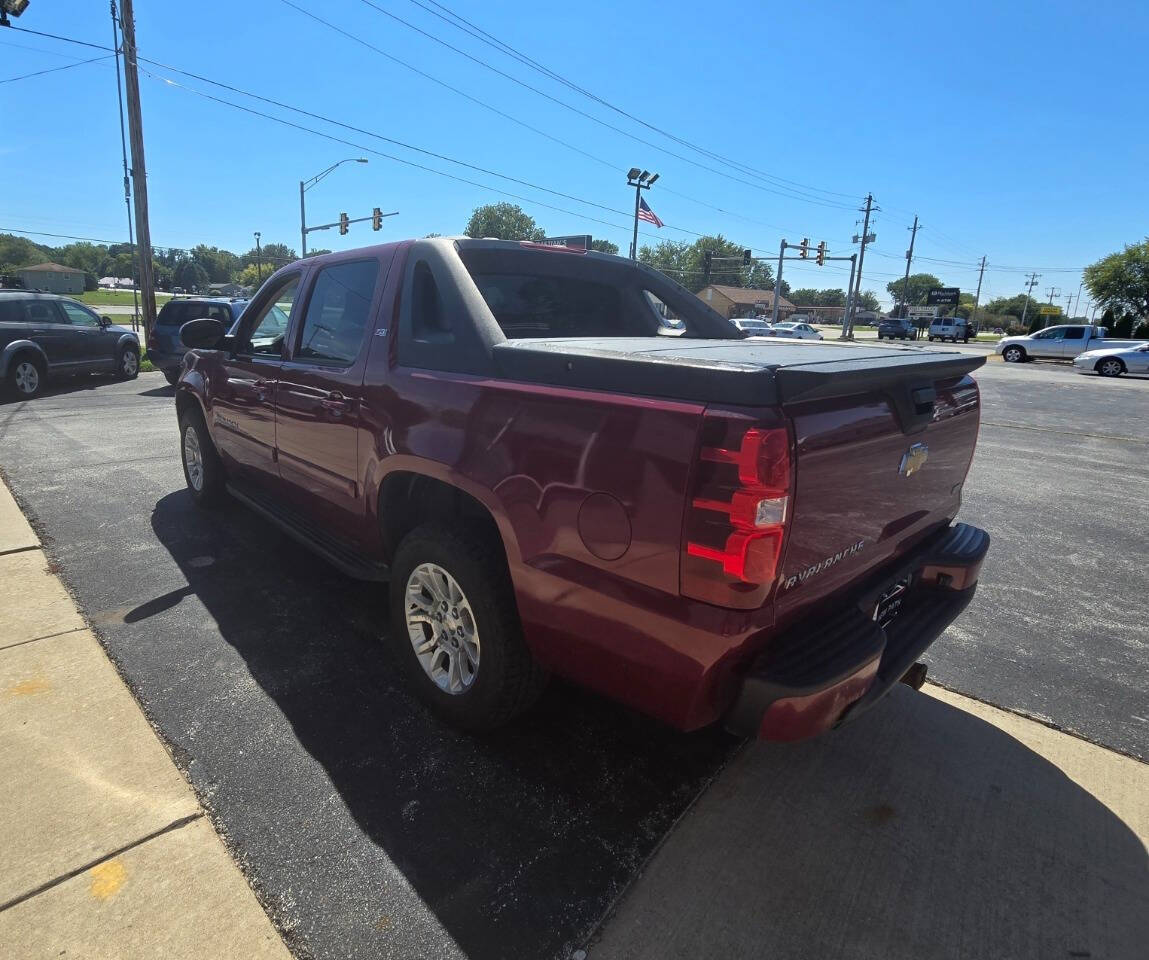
[645, 213]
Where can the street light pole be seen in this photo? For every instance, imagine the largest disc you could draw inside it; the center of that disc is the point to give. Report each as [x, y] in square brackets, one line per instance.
[304, 186]
[258, 258]
[640, 180]
[778, 284]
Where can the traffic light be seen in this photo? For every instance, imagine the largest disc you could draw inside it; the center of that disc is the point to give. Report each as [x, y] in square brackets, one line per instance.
[342, 223]
[821, 253]
[376, 219]
[708, 261]
[747, 257]
[804, 248]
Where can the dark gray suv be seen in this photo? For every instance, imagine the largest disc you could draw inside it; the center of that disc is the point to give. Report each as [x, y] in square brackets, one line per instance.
[43, 336]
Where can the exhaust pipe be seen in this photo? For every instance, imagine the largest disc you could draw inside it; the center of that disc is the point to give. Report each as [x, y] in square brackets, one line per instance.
[915, 676]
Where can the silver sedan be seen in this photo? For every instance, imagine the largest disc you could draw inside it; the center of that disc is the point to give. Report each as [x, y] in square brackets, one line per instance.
[1114, 361]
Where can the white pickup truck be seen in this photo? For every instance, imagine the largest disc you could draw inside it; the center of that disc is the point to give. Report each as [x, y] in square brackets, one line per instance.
[1058, 343]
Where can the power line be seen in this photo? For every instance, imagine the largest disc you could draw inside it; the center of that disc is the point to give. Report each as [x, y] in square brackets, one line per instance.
[66, 66]
[473, 30]
[789, 193]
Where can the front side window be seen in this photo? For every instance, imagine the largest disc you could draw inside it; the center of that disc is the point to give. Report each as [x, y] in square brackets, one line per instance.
[78, 316]
[265, 334]
[337, 313]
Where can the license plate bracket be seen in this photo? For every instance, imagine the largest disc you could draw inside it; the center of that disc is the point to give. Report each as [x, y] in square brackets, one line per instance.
[890, 602]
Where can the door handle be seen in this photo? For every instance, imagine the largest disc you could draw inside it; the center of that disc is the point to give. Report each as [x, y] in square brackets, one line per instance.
[335, 402]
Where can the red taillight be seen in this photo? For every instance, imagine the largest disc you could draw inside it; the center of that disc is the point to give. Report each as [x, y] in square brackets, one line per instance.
[736, 518]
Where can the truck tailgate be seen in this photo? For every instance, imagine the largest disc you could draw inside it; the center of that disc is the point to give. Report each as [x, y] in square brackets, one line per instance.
[881, 456]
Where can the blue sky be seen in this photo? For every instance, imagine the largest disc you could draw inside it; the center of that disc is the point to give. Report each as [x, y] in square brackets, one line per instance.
[1015, 130]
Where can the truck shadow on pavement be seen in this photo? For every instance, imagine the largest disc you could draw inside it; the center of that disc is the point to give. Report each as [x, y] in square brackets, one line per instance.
[919, 831]
[517, 843]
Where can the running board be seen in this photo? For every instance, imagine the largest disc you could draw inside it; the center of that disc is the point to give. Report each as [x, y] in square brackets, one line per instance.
[338, 554]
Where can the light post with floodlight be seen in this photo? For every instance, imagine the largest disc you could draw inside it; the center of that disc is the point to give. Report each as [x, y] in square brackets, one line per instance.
[640, 180]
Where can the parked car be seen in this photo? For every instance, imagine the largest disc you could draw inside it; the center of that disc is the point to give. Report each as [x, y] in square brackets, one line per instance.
[951, 328]
[552, 484]
[164, 348]
[897, 328]
[794, 330]
[753, 327]
[44, 336]
[1114, 361]
[1059, 343]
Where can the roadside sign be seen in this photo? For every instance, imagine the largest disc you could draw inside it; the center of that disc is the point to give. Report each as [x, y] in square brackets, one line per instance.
[943, 296]
[580, 242]
[1049, 310]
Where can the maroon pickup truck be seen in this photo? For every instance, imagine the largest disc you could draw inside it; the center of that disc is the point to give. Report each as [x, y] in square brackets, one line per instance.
[564, 462]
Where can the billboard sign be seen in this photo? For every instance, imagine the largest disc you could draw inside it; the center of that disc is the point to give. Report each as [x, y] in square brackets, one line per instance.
[943, 296]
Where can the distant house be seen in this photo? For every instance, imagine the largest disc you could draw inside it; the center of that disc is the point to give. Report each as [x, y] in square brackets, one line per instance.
[53, 278]
[734, 302]
[224, 289]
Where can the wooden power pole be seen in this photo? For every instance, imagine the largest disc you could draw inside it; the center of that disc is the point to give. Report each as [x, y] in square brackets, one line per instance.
[139, 168]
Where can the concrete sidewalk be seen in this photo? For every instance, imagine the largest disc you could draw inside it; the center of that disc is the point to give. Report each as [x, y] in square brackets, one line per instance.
[934, 826]
[105, 850]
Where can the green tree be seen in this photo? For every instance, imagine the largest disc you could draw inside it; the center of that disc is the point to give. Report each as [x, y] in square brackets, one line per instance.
[920, 285]
[604, 246]
[1120, 281]
[804, 297]
[191, 276]
[685, 262]
[253, 275]
[16, 252]
[1012, 306]
[218, 264]
[868, 300]
[317, 253]
[504, 221]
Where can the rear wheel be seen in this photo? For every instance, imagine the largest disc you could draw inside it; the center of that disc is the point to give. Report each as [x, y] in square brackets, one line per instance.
[128, 363]
[26, 376]
[1013, 355]
[455, 628]
[1110, 367]
[202, 468]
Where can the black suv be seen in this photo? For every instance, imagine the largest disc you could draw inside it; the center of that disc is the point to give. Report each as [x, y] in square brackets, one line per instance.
[43, 335]
[901, 328]
[164, 348]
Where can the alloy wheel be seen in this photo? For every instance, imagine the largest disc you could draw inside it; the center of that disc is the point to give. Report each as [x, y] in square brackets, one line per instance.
[441, 626]
[193, 458]
[1111, 368]
[27, 377]
[130, 363]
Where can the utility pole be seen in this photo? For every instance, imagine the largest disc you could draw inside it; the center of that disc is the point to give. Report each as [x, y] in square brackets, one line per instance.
[258, 258]
[909, 260]
[977, 296]
[1029, 285]
[1077, 302]
[124, 156]
[139, 167]
[777, 284]
[849, 295]
[848, 334]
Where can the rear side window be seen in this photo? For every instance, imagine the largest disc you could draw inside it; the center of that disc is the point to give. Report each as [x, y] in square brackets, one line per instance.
[337, 313]
[171, 315]
[527, 305]
[41, 311]
[1075, 333]
[11, 311]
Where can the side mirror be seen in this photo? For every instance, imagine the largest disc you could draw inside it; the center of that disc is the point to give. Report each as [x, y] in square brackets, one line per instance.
[202, 334]
[105, 321]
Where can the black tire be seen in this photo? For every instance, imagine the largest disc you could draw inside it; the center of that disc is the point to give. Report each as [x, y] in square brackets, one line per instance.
[506, 680]
[1013, 354]
[127, 363]
[1110, 366]
[26, 376]
[209, 490]
[172, 376]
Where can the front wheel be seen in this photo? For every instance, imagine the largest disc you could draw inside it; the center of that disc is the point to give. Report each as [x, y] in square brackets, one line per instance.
[1013, 355]
[128, 363]
[455, 628]
[1111, 367]
[202, 468]
[172, 376]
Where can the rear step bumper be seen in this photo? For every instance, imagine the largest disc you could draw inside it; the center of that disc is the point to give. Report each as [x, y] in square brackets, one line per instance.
[820, 674]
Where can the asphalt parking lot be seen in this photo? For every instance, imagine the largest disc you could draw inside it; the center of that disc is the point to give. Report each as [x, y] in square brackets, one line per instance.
[261, 668]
